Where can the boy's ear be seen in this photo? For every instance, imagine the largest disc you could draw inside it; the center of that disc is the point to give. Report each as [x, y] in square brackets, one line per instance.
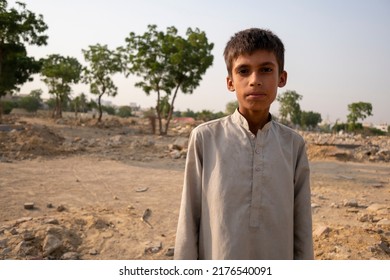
[230, 84]
[282, 79]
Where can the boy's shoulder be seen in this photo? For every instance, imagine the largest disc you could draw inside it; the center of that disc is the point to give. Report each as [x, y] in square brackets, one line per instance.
[285, 130]
[213, 124]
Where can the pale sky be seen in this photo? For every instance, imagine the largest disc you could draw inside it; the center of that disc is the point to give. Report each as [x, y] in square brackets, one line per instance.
[337, 52]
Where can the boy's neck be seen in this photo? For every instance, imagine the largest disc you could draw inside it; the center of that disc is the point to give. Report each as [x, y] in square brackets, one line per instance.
[256, 120]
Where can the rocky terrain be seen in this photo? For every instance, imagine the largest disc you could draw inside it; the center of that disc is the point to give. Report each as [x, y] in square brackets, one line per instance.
[75, 189]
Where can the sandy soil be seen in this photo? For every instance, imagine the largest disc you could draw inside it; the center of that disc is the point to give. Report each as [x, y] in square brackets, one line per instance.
[112, 191]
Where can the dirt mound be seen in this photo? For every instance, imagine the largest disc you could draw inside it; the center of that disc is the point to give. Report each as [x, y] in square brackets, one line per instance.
[27, 141]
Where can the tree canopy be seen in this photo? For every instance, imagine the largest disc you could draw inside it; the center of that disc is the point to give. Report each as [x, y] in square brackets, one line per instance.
[18, 27]
[167, 63]
[289, 109]
[103, 63]
[358, 111]
[59, 74]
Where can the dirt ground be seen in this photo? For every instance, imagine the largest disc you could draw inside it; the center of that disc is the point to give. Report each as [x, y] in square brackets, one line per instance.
[112, 191]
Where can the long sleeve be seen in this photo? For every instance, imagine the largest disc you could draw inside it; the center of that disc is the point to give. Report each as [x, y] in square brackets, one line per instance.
[187, 236]
[303, 241]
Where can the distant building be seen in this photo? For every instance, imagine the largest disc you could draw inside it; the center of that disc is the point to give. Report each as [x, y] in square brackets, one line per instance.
[383, 127]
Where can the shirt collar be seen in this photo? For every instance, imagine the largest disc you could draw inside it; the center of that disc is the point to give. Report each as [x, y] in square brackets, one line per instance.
[240, 120]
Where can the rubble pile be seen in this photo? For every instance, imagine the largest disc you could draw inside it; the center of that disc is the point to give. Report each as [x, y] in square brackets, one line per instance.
[348, 147]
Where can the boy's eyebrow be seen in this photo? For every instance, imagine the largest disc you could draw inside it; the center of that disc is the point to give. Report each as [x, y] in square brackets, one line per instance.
[266, 63]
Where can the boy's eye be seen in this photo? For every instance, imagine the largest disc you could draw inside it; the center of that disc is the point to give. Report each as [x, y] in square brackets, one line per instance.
[242, 71]
[266, 70]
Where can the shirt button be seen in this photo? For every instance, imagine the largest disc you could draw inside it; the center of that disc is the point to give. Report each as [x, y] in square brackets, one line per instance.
[257, 151]
[257, 168]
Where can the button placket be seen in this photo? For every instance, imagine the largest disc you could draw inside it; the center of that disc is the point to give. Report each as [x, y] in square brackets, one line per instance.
[257, 179]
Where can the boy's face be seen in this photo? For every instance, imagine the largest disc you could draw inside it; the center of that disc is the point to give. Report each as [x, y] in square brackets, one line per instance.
[256, 78]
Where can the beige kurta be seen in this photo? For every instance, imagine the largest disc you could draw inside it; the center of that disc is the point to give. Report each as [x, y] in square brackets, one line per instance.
[245, 196]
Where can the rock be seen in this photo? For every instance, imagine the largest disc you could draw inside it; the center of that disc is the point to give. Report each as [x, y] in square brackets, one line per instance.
[70, 256]
[93, 252]
[383, 222]
[61, 208]
[181, 143]
[365, 218]
[22, 220]
[28, 236]
[321, 230]
[315, 205]
[385, 247]
[350, 203]
[29, 205]
[175, 154]
[52, 222]
[50, 244]
[170, 252]
[376, 207]
[153, 249]
[3, 243]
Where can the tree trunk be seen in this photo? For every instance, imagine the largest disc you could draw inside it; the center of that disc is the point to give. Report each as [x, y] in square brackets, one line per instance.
[170, 113]
[158, 110]
[100, 107]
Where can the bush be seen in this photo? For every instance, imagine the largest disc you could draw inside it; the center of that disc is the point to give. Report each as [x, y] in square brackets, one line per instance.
[124, 111]
[29, 103]
[8, 105]
[108, 109]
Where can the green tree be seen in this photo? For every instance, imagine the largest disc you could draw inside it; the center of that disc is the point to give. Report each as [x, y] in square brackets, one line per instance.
[231, 107]
[310, 119]
[124, 111]
[29, 103]
[358, 111]
[37, 93]
[18, 27]
[289, 109]
[103, 63]
[79, 104]
[189, 114]
[59, 74]
[167, 63]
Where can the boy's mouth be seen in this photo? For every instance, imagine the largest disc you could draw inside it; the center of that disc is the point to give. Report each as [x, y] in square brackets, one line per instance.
[256, 95]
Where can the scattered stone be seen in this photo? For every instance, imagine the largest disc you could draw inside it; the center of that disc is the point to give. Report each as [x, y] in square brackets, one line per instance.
[29, 205]
[175, 154]
[385, 247]
[153, 249]
[315, 205]
[22, 220]
[61, 208]
[365, 218]
[170, 252]
[28, 236]
[93, 252]
[3, 243]
[52, 221]
[141, 189]
[181, 143]
[50, 244]
[383, 222]
[350, 203]
[70, 256]
[334, 205]
[321, 230]
[376, 207]
[49, 205]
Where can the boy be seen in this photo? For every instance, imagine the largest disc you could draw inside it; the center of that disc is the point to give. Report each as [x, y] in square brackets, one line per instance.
[246, 191]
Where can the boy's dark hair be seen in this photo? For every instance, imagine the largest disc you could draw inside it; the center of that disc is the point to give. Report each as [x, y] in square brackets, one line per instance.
[250, 40]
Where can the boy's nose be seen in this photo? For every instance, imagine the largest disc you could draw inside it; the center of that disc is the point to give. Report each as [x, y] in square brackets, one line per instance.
[256, 80]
